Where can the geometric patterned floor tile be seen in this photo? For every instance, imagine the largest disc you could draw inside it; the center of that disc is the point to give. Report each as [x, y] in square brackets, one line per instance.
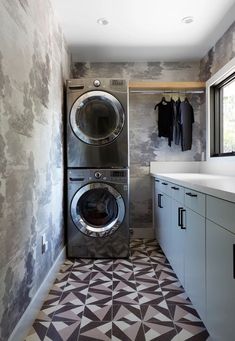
[46, 313]
[99, 297]
[103, 265]
[93, 331]
[191, 331]
[126, 276]
[68, 313]
[122, 297]
[53, 298]
[98, 312]
[152, 298]
[128, 286]
[103, 276]
[74, 298]
[145, 275]
[164, 331]
[168, 285]
[176, 297]
[100, 285]
[122, 265]
[127, 331]
[147, 285]
[37, 331]
[156, 313]
[80, 276]
[183, 313]
[83, 265]
[63, 331]
[135, 299]
[73, 286]
[126, 312]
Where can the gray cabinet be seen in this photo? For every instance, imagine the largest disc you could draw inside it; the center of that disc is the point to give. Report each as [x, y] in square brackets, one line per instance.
[195, 283]
[220, 280]
[162, 216]
[178, 232]
[197, 234]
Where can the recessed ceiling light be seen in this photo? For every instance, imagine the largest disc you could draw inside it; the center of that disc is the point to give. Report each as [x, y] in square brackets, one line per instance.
[187, 20]
[102, 21]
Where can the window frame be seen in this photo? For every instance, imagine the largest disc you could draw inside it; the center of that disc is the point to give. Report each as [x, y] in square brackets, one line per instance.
[214, 88]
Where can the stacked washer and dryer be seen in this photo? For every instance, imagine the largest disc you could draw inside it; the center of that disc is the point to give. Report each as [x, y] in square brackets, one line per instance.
[97, 168]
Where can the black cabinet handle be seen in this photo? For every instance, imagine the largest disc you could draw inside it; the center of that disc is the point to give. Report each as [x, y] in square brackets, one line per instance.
[175, 188]
[181, 219]
[234, 261]
[179, 216]
[157, 180]
[165, 183]
[159, 201]
[191, 194]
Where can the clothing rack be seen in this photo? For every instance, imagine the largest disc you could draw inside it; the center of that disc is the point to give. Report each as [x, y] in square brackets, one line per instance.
[151, 87]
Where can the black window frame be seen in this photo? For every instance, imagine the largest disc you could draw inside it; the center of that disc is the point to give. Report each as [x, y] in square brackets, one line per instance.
[216, 126]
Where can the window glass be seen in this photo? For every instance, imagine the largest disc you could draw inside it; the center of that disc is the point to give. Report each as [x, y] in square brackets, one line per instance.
[228, 118]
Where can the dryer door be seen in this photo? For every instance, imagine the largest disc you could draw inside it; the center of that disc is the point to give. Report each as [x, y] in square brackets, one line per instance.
[97, 117]
[97, 209]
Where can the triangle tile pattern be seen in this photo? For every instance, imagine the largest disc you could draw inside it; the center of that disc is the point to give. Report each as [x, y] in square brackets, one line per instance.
[135, 299]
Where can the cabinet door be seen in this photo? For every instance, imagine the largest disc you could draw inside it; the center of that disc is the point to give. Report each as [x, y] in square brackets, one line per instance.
[165, 224]
[178, 241]
[220, 253]
[195, 260]
[162, 218]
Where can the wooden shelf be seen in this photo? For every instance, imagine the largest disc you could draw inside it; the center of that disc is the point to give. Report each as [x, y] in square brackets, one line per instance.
[151, 85]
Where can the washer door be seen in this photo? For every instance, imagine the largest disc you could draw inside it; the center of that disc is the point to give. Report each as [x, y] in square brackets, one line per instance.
[97, 209]
[97, 117]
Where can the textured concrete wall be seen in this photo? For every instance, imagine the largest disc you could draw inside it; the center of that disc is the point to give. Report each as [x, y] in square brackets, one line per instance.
[219, 55]
[145, 145]
[33, 65]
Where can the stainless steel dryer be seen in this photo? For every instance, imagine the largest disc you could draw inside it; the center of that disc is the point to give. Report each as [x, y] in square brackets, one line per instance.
[97, 123]
[98, 217]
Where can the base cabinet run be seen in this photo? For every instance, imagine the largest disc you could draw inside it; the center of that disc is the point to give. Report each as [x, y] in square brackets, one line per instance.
[199, 241]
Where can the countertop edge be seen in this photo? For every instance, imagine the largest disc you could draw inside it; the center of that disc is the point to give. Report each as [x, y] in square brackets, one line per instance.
[209, 190]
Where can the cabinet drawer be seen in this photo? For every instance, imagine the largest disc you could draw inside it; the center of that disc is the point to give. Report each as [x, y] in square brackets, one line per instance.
[222, 212]
[156, 185]
[165, 187]
[177, 193]
[195, 200]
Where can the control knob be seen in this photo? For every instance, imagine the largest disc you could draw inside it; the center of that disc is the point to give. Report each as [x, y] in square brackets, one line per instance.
[96, 83]
[98, 175]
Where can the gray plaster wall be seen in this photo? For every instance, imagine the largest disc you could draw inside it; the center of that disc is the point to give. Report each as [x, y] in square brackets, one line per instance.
[145, 145]
[34, 63]
[219, 55]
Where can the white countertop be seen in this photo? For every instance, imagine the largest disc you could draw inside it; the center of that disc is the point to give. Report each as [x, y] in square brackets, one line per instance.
[216, 185]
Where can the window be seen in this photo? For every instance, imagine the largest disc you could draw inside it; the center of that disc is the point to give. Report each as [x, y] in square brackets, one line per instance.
[223, 117]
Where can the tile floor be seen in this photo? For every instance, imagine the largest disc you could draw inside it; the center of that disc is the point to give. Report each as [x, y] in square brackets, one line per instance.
[128, 300]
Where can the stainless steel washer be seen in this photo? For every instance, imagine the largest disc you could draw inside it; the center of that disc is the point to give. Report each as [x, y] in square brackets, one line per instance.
[97, 123]
[98, 217]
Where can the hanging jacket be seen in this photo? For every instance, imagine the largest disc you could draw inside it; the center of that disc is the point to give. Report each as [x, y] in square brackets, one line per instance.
[186, 122]
[177, 124]
[165, 119]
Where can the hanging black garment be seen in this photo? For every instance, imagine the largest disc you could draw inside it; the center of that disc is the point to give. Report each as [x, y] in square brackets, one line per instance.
[186, 121]
[165, 119]
[177, 124]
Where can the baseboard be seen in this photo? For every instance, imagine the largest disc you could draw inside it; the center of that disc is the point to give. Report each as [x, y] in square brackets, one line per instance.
[20, 331]
[146, 233]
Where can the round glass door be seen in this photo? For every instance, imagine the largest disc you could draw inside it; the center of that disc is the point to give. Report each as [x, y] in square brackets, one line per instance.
[97, 117]
[97, 209]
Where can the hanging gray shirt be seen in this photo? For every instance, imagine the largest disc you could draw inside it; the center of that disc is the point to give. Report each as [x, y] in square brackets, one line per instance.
[186, 122]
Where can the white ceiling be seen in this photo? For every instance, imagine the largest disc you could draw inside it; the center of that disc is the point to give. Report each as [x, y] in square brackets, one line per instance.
[142, 30]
